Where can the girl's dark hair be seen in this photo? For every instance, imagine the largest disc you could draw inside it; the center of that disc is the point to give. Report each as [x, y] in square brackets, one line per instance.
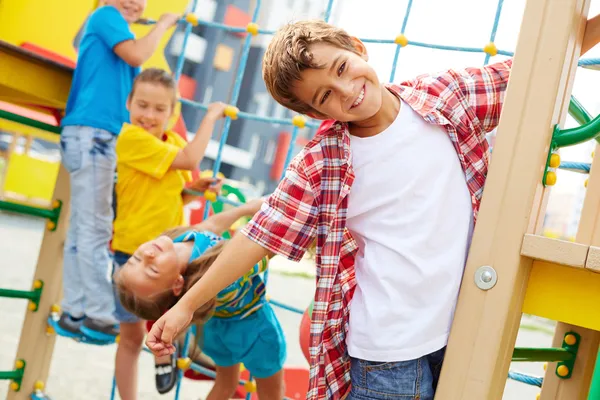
[153, 308]
[158, 77]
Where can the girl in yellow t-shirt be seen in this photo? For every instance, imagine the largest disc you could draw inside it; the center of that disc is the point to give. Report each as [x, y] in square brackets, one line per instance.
[153, 166]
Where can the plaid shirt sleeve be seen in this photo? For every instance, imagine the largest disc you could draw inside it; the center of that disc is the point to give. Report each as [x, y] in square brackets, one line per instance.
[483, 90]
[287, 222]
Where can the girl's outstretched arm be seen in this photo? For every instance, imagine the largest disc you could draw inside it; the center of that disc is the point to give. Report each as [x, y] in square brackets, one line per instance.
[237, 258]
[221, 222]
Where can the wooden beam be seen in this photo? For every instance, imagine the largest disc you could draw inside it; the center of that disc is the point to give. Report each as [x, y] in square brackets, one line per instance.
[35, 346]
[554, 250]
[487, 321]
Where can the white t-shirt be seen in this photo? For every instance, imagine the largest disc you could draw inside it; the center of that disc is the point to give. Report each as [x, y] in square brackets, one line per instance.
[410, 212]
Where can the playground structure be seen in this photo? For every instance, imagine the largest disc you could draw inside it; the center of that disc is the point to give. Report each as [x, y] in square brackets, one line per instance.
[511, 268]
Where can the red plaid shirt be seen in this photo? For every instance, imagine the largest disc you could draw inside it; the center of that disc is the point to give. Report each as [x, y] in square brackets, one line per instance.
[312, 201]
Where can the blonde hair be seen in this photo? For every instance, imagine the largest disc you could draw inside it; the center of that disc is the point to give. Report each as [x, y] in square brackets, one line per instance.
[152, 309]
[289, 54]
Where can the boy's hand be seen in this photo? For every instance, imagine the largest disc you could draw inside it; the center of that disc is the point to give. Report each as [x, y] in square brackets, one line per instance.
[216, 110]
[168, 20]
[204, 184]
[166, 329]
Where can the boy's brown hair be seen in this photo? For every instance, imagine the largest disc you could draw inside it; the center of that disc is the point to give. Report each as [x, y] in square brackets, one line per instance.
[289, 54]
[153, 309]
[156, 76]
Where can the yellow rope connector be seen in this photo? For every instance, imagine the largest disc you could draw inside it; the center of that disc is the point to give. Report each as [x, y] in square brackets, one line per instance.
[50, 225]
[32, 306]
[537, 396]
[252, 28]
[545, 366]
[117, 339]
[242, 367]
[211, 196]
[37, 284]
[14, 386]
[50, 330]
[550, 178]
[191, 19]
[55, 204]
[585, 183]
[490, 49]
[401, 40]
[55, 308]
[19, 364]
[562, 370]
[231, 112]
[38, 385]
[184, 363]
[299, 121]
[250, 386]
[554, 160]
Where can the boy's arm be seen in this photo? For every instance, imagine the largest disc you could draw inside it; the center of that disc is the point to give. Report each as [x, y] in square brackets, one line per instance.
[190, 156]
[484, 88]
[136, 52]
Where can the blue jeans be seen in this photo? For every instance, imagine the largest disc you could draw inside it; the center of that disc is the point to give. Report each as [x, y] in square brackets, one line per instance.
[407, 380]
[121, 314]
[88, 154]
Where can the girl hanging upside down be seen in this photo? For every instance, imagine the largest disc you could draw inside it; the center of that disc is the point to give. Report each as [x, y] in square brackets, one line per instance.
[237, 326]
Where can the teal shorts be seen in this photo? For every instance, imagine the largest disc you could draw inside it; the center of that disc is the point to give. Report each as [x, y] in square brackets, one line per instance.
[257, 341]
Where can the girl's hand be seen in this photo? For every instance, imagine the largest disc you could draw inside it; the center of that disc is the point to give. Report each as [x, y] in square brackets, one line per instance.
[216, 110]
[166, 329]
[204, 184]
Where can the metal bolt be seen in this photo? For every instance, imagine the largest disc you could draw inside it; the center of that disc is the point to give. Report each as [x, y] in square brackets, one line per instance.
[485, 277]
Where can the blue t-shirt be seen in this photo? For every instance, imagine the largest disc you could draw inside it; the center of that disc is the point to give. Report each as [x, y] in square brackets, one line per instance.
[102, 80]
[242, 297]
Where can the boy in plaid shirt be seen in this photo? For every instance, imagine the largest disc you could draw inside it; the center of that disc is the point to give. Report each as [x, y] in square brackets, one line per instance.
[389, 190]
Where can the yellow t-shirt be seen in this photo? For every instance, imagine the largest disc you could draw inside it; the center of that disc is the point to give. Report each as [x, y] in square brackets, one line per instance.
[148, 193]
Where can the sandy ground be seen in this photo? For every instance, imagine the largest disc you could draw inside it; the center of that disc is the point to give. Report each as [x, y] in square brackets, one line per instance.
[81, 371]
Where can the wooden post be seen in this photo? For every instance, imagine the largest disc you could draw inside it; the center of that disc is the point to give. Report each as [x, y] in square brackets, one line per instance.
[487, 321]
[588, 233]
[35, 346]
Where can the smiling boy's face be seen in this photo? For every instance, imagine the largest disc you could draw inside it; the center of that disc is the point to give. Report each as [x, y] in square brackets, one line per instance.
[131, 10]
[344, 88]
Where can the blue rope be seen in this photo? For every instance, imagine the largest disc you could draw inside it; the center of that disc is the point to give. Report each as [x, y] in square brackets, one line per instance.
[181, 58]
[575, 166]
[494, 28]
[286, 307]
[251, 117]
[328, 10]
[184, 354]
[234, 98]
[398, 47]
[527, 379]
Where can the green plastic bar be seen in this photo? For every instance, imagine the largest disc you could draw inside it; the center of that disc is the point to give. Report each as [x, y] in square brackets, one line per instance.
[29, 122]
[12, 375]
[526, 354]
[28, 210]
[19, 294]
[595, 386]
[589, 129]
[578, 113]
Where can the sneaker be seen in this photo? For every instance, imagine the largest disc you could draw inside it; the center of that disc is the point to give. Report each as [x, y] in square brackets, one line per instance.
[98, 330]
[70, 326]
[166, 374]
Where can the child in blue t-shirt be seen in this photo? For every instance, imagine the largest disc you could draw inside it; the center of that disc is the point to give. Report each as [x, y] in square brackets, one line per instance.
[109, 59]
[238, 326]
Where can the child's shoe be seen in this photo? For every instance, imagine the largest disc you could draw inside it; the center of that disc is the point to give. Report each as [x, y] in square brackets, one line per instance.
[99, 331]
[69, 326]
[166, 374]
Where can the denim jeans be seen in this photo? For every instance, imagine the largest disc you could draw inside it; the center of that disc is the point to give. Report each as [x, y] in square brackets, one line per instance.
[121, 314]
[89, 156]
[407, 380]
